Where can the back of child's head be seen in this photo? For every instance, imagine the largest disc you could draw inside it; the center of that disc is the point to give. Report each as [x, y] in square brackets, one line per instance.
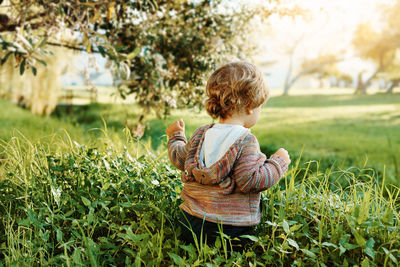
[235, 87]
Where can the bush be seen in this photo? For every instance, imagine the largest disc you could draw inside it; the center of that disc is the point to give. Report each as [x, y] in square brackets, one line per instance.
[79, 205]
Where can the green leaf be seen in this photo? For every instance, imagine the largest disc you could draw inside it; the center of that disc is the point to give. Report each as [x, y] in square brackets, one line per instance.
[349, 246]
[86, 201]
[176, 258]
[31, 216]
[43, 42]
[344, 239]
[342, 250]
[69, 213]
[328, 244]
[120, 48]
[356, 213]
[59, 235]
[42, 62]
[217, 243]
[22, 67]
[388, 217]
[34, 70]
[126, 204]
[393, 258]
[365, 263]
[370, 252]
[4, 59]
[133, 54]
[359, 238]
[251, 237]
[285, 226]
[295, 227]
[24, 222]
[385, 250]
[293, 243]
[101, 50]
[308, 253]
[370, 243]
[189, 248]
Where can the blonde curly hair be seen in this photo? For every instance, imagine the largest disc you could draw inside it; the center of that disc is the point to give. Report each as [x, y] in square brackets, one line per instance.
[235, 87]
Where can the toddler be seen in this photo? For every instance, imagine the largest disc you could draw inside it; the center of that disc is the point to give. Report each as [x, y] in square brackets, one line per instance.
[223, 168]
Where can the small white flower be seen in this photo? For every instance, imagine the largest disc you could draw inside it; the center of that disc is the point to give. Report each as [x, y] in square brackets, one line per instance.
[155, 182]
[159, 14]
[172, 103]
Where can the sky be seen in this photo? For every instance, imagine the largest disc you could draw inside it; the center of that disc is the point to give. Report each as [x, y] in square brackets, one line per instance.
[94, 63]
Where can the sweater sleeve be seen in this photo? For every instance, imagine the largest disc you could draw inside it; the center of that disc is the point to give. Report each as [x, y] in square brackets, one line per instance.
[177, 149]
[253, 172]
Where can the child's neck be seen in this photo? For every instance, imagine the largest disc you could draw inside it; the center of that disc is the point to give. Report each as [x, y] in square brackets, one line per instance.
[235, 120]
[243, 118]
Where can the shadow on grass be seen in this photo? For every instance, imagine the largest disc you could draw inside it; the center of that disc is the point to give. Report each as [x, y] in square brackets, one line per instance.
[92, 115]
[115, 117]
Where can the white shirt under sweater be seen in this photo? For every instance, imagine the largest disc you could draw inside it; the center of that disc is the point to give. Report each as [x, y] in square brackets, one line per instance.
[218, 140]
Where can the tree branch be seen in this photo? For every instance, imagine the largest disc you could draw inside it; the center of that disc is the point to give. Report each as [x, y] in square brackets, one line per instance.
[4, 27]
[75, 48]
[12, 27]
[312, 68]
[36, 16]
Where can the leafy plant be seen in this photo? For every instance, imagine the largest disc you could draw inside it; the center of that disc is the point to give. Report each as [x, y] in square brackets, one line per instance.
[160, 51]
[64, 203]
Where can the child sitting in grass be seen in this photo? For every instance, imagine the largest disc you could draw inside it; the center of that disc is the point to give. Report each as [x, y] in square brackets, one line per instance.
[223, 168]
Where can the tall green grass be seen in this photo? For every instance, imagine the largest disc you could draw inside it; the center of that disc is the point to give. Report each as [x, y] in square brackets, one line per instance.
[116, 203]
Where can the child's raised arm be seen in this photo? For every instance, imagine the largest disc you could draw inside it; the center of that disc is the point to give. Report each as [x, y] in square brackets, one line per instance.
[177, 144]
[253, 172]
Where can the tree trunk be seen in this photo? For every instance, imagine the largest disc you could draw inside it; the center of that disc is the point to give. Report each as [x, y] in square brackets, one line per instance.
[361, 89]
[363, 85]
[286, 89]
[392, 85]
[321, 82]
[287, 84]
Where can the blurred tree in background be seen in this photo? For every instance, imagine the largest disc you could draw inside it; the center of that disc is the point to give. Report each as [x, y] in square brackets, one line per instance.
[381, 46]
[391, 76]
[159, 50]
[323, 65]
[38, 92]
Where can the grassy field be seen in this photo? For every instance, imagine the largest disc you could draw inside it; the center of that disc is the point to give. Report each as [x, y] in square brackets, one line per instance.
[336, 130]
[340, 130]
[109, 200]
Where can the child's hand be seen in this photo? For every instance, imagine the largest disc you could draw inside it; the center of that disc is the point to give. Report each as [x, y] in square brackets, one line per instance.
[283, 154]
[175, 126]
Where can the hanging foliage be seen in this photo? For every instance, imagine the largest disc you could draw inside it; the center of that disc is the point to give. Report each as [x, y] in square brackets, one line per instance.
[160, 51]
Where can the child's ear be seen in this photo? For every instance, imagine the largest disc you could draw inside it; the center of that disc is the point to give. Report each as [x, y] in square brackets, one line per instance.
[249, 111]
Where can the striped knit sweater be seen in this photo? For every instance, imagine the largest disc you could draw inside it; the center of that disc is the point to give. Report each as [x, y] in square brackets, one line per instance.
[228, 191]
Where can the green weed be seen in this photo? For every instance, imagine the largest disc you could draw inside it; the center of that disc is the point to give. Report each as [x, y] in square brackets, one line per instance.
[116, 204]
